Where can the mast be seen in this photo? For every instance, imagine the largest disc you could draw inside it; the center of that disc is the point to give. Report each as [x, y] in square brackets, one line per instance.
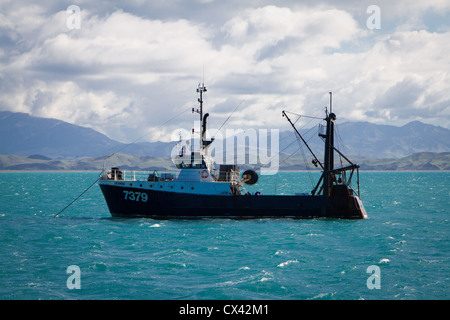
[329, 152]
[330, 176]
[200, 89]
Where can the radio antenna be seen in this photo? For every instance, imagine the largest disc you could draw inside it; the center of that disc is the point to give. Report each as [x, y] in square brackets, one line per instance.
[331, 94]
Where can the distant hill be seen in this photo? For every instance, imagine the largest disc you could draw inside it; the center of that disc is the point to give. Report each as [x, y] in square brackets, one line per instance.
[368, 140]
[384, 141]
[125, 161]
[22, 134]
[418, 161]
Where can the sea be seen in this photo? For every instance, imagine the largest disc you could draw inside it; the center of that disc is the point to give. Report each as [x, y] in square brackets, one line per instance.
[401, 252]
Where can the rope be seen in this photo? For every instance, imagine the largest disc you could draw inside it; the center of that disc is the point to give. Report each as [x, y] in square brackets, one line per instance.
[77, 198]
[229, 116]
[127, 145]
[107, 157]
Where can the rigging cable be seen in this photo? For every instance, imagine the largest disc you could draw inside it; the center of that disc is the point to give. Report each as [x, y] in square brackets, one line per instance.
[308, 168]
[278, 154]
[292, 142]
[230, 116]
[77, 197]
[106, 158]
[127, 145]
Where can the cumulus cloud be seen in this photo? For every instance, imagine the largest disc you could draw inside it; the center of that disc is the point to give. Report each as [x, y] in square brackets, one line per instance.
[129, 67]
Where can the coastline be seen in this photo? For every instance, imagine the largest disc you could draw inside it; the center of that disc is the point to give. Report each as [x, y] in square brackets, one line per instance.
[423, 161]
[284, 171]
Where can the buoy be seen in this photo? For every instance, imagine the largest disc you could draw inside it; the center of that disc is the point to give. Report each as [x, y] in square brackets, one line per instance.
[204, 174]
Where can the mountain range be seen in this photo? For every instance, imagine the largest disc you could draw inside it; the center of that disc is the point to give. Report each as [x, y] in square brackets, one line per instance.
[418, 161]
[46, 140]
[22, 134]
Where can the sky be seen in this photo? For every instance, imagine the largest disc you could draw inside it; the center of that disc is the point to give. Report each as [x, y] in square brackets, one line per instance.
[130, 69]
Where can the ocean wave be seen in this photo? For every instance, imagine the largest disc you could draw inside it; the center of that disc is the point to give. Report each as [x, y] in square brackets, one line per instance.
[284, 264]
[156, 225]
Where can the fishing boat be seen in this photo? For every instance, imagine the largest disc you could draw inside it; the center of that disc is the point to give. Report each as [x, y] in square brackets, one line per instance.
[197, 190]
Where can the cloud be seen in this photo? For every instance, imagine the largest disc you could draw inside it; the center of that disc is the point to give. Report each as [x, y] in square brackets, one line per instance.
[405, 76]
[102, 75]
[131, 67]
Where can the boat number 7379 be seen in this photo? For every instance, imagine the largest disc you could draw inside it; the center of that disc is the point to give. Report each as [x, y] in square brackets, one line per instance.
[135, 196]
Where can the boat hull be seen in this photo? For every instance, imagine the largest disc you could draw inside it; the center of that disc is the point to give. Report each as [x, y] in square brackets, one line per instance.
[130, 202]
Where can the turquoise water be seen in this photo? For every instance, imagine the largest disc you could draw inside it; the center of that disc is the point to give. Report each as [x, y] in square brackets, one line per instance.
[406, 237]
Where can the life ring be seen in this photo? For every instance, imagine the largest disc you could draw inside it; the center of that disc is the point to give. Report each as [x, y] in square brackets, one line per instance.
[204, 174]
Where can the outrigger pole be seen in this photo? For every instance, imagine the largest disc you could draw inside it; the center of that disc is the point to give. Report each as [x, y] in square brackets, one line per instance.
[328, 173]
[315, 161]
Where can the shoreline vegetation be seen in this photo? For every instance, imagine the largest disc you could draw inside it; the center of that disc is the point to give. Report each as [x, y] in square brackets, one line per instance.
[423, 161]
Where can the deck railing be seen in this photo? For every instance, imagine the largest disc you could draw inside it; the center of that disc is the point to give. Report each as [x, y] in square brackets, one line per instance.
[132, 175]
[155, 175]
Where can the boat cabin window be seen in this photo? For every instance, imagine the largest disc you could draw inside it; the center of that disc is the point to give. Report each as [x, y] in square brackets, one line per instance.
[193, 163]
[183, 165]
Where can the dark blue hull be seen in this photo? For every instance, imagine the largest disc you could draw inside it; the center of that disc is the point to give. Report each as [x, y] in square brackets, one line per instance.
[172, 205]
